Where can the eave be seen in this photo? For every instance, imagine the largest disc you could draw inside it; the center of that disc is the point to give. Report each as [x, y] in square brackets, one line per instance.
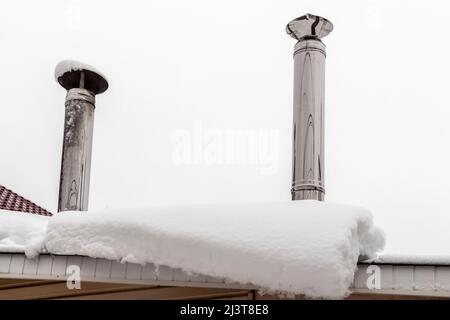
[398, 281]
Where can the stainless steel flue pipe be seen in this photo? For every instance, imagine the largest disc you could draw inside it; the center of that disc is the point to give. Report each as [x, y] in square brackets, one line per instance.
[309, 96]
[82, 83]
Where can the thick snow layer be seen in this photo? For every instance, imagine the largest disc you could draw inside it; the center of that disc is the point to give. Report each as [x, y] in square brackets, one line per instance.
[72, 65]
[294, 247]
[22, 232]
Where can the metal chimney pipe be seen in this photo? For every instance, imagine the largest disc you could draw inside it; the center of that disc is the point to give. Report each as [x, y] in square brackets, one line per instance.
[309, 95]
[82, 83]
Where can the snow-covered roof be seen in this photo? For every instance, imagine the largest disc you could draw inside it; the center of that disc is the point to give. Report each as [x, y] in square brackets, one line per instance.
[409, 259]
[295, 247]
[12, 201]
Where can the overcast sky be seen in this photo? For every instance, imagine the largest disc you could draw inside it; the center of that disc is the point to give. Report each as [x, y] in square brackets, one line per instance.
[187, 75]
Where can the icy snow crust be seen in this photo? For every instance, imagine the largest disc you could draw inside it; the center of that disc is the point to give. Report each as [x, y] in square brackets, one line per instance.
[298, 247]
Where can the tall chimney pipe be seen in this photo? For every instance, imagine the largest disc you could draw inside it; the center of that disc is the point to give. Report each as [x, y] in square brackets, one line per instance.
[82, 83]
[309, 85]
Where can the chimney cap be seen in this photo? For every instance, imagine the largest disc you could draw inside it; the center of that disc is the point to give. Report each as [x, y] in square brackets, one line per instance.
[309, 26]
[68, 75]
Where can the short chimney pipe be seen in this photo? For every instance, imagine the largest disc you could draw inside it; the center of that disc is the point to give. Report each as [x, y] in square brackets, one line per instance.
[82, 83]
[309, 96]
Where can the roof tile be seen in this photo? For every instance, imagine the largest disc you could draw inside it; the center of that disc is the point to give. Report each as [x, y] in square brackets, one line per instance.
[12, 201]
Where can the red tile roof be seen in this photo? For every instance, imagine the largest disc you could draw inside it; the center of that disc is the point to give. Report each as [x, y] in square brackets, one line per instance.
[12, 201]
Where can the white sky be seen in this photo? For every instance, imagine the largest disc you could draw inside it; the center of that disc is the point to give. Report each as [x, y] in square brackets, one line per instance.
[227, 66]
